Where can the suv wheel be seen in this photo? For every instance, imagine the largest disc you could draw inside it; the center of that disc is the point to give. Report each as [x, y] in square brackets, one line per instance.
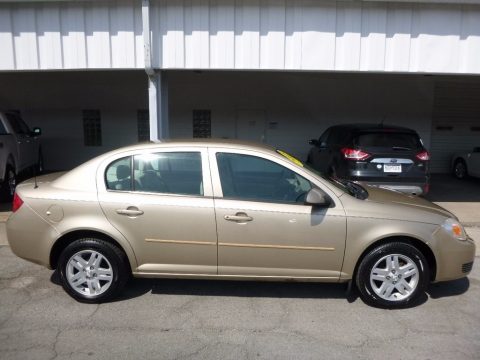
[392, 275]
[9, 184]
[460, 169]
[93, 270]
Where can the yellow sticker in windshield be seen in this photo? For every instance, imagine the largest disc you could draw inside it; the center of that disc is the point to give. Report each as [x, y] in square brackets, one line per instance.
[291, 158]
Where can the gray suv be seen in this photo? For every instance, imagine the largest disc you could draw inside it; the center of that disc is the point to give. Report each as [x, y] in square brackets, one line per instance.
[19, 151]
[382, 155]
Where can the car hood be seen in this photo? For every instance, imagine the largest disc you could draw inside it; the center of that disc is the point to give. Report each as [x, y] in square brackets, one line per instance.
[408, 207]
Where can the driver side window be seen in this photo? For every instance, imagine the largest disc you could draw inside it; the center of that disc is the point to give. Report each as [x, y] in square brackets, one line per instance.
[246, 177]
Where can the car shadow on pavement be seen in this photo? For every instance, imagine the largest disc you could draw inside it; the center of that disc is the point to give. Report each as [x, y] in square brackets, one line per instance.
[239, 288]
[448, 288]
[137, 287]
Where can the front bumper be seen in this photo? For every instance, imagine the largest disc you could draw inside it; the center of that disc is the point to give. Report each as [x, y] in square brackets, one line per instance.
[454, 257]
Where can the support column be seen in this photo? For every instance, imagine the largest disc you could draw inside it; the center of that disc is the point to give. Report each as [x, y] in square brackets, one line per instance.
[158, 106]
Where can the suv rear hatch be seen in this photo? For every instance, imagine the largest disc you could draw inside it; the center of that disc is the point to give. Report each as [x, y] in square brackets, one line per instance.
[393, 155]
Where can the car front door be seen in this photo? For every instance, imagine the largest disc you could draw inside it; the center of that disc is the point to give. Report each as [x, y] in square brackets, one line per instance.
[264, 228]
[162, 202]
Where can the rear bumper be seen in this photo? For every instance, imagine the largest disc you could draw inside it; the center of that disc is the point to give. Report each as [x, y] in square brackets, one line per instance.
[407, 188]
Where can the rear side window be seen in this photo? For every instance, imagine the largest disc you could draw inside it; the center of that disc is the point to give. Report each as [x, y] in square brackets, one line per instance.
[118, 174]
[169, 173]
[388, 139]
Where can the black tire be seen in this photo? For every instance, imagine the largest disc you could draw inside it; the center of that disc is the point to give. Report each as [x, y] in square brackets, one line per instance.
[368, 294]
[7, 190]
[460, 170]
[116, 259]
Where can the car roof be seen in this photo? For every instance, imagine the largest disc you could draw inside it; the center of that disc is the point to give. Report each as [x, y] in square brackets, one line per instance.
[230, 143]
[372, 127]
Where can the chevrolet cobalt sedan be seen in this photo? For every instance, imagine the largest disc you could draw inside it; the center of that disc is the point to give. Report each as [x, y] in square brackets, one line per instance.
[231, 210]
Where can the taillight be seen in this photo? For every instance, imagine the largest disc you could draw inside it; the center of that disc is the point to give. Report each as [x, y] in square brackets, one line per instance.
[352, 154]
[17, 202]
[426, 189]
[424, 155]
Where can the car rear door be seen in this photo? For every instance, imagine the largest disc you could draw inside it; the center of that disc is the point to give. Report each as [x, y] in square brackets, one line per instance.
[264, 228]
[161, 201]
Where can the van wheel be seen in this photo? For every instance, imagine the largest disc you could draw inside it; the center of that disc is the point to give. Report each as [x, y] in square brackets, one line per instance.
[93, 270]
[460, 169]
[392, 275]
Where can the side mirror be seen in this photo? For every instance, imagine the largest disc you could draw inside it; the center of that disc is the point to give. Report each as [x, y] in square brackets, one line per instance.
[318, 198]
[36, 131]
[313, 142]
[323, 145]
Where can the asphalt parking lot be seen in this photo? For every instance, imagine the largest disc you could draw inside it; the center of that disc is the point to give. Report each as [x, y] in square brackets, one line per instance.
[180, 319]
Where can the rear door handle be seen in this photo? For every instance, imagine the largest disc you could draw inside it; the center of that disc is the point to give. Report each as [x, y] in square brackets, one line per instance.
[238, 217]
[130, 211]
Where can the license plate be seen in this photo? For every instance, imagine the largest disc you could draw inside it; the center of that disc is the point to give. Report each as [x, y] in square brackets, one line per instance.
[392, 168]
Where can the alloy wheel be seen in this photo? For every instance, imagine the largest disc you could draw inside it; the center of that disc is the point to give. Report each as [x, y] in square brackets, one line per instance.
[89, 273]
[394, 277]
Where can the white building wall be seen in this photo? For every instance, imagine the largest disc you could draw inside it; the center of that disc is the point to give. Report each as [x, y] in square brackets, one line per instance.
[54, 101]
[316, 35]
[297, 106]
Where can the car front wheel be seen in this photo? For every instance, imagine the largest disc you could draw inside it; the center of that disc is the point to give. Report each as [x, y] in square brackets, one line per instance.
[392, 275]
[93, 270]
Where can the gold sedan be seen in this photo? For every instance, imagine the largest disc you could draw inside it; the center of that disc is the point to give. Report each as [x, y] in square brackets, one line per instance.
[230, 210]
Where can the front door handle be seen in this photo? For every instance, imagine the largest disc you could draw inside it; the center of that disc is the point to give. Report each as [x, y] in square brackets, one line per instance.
[238, 217]
[130, 211]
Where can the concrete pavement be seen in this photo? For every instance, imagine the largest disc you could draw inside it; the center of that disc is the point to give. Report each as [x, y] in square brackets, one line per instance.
[180, 319]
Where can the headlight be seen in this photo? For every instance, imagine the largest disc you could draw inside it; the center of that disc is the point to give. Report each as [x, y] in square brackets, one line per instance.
[455, 229]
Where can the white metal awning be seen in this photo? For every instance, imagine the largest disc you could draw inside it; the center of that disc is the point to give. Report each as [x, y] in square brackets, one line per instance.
[311, 35]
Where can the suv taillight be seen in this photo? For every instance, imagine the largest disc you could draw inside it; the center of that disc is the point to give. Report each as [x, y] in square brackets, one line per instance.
[17, 202]
[352, 154]
[424, 155]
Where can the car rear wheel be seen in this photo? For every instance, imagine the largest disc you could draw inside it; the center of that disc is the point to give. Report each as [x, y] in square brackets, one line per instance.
[460, 169]
[392, 275]
[93, 270]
